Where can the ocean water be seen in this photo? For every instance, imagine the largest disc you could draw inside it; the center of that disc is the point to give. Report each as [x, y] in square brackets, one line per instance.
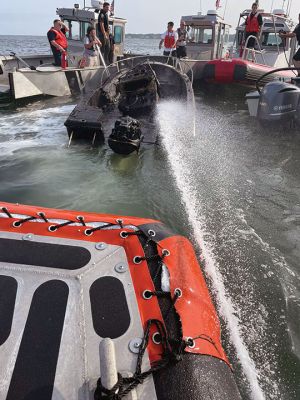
[231, 187]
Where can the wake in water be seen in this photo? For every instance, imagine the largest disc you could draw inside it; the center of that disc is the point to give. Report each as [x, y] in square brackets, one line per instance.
[30, 128]
[175, 128]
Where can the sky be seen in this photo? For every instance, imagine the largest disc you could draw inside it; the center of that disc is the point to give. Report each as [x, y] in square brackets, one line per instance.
[34, 17]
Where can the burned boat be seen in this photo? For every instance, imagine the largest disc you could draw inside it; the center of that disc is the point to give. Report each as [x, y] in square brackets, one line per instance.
[129, 88]
[96, 306]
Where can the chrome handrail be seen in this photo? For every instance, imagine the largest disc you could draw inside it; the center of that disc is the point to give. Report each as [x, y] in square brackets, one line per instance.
[260, 51]
[113, 69]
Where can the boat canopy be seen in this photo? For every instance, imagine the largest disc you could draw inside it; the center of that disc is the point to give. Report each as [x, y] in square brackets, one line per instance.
[208, 35]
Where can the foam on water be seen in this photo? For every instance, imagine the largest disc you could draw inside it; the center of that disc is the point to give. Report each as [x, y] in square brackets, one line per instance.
[31, 128]
[176, 133]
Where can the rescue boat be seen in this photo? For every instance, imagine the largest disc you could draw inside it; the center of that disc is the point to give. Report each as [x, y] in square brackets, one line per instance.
[244, 65]
[99, 306]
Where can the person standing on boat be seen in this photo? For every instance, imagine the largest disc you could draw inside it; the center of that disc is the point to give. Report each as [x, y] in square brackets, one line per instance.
[169, 39]
[295, 33]
[182, 40]
[90, 54]
[58, 41]
[103, 28]
[254, 23]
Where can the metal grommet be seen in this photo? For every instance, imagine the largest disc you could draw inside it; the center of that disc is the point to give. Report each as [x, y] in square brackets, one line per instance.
[147, 295]
[178, 292]
[119, 221]
[190, 342]
[123, 234]
[165, 252]
[156, 338]
[52, 228]
[40, 214]
[151, 232]
[16, 224]
[80, 218]
[88, 232]
[137, 260]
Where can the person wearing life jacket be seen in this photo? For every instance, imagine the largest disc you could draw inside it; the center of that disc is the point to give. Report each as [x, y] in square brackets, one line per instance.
[58, 41]
[169, 39]
[182, 40]
[253, 23]
[295, 33]
[91, 46]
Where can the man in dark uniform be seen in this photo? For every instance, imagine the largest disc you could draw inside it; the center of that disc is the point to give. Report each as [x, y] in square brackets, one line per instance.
[295, 33]
[57, 39]
[103, 27]
[253, 23]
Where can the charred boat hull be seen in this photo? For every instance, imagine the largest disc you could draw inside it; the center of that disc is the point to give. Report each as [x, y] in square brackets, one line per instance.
[130, 90]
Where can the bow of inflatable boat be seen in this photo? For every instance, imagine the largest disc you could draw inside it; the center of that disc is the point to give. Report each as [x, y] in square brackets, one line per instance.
[101, 306]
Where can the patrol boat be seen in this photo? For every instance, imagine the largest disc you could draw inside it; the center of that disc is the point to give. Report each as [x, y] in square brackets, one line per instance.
[96, 306]
[35, 75]
[245, 65]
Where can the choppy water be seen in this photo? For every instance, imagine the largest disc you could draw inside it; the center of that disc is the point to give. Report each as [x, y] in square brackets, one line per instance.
[232, 188]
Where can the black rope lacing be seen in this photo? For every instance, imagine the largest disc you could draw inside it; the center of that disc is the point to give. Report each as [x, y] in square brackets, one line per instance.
[53, 228]
[92, 230]
[5, 210]
[20, 222]
[43, 216]
[126, 385]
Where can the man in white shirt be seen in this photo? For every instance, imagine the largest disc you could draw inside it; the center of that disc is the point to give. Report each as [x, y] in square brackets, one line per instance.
[169, 39]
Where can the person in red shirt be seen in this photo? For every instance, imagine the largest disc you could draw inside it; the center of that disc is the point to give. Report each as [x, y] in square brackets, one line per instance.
[169, 39]
[254, 23]
[58, 41]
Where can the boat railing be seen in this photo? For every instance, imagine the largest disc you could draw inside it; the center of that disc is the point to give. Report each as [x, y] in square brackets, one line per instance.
[131, 62]
[252, 51]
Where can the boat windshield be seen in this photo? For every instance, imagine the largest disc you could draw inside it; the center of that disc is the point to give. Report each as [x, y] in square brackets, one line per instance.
[203, 35]
[271, 39]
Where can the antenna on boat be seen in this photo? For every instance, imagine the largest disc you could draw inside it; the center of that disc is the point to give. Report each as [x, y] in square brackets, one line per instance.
[201, 6]
[225, 8]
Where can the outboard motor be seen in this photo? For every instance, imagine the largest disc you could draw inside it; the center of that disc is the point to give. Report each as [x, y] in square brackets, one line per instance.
[138, 90]
[126, 136]
[279, 102]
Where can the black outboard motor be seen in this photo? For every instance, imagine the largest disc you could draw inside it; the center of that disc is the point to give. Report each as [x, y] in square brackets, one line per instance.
[279, 102]
[138, 90]
[126, 136]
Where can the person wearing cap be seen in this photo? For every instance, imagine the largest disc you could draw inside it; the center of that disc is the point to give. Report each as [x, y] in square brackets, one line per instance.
[169, 39]
[58, 41]
[182, 40]
[295, 33]
[253, 23]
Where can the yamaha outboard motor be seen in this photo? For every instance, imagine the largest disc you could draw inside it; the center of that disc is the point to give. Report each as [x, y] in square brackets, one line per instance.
[126, 136]
[279, 102]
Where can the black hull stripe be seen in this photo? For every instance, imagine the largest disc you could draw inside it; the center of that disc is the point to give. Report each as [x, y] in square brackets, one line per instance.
[34, 373]
[8, 292]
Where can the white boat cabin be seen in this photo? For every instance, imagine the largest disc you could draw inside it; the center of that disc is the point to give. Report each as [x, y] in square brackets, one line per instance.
[78, 20]
[270, 48]
[208, 36]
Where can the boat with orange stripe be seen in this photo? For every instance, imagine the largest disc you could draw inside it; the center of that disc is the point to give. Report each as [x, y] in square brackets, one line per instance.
[99, 306]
